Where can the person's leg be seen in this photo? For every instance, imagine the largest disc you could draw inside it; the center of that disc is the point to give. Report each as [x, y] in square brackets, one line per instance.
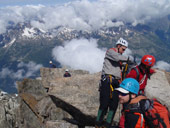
[104, 101]
[112, 108]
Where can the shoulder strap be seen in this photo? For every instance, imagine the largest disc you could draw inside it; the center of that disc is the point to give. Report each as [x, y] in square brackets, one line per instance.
[137, 77]
[137, 99]
[113, 49]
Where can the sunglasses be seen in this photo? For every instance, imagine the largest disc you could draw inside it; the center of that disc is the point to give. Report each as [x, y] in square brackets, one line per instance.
[123, 94]
[123, 49]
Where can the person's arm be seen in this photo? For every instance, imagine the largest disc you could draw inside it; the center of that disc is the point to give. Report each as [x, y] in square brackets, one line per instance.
[114, 56]
[152, 71]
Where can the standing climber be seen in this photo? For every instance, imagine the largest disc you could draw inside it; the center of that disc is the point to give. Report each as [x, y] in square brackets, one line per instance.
[52, 65]
[111, 75]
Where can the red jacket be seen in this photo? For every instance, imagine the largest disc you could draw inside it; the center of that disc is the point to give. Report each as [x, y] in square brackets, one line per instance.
[143, 77]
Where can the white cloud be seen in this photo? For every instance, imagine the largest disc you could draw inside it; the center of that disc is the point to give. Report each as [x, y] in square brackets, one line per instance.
[80, 54]
[162, 65]
[5, 72]
[85, 15]
[3, 26]
[17, 75]
[32, 68]
[25, 70]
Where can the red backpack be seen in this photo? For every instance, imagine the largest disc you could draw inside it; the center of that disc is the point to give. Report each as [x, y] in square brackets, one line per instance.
[156, 115]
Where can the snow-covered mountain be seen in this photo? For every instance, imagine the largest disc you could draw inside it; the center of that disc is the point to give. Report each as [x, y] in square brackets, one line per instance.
[24, 31]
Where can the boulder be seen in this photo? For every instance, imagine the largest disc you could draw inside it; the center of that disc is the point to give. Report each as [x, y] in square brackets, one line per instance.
[9, 110]
[159, 87]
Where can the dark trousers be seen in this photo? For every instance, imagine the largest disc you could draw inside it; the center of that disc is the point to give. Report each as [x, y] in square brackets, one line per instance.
[108, 99]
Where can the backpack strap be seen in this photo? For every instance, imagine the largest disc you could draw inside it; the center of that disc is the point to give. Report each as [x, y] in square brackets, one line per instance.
[142, 119]
[137, 71]
[137, 99]
[111, 87]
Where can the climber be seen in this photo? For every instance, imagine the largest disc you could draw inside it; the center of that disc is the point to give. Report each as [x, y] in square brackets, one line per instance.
[128, 91]
[141, 112]
[51, 64]
[111, 75]
[141, 73]
[67, 74]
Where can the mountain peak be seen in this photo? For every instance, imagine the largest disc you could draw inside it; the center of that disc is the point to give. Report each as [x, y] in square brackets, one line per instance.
[47, 100]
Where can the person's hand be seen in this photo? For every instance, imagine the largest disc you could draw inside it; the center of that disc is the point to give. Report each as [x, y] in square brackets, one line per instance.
[145, 104]
[154, 70]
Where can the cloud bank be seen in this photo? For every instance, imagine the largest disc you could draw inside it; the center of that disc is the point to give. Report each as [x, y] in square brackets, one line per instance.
[80, 54]
[25, 70]
[85, 15]
[162, 65]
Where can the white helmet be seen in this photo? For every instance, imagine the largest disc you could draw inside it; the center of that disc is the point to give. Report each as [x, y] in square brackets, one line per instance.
[123, 42]
[50, 62]
[66, 70]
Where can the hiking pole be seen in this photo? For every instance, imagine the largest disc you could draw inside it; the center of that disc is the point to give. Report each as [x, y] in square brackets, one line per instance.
[135, 59]
[135, 63]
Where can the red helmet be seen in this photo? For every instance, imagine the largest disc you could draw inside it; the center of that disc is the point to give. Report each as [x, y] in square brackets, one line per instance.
[148, 60]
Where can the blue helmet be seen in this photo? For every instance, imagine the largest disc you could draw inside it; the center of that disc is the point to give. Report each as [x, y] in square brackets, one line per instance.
[131, 85]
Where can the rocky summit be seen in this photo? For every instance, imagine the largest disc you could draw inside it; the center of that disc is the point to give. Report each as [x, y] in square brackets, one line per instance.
[54, 101]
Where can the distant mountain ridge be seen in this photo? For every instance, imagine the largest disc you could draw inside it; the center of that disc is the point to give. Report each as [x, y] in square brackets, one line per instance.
[24, 43]
[158, 29]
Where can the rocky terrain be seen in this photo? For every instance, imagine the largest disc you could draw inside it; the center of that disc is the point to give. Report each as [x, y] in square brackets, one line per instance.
[52, 101]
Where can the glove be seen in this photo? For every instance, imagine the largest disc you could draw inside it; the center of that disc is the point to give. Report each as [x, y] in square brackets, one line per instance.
[145, 104]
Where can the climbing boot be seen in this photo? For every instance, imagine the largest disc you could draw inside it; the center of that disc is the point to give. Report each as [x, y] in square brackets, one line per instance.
[109, 119]
[100, 117]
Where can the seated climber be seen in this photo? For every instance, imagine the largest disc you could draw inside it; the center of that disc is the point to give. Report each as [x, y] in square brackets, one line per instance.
[67, 74]
[139, 111]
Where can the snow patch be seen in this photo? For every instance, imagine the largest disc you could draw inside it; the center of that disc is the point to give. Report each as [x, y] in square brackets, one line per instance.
[10, 43]
[29, 32]
[42, 31]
